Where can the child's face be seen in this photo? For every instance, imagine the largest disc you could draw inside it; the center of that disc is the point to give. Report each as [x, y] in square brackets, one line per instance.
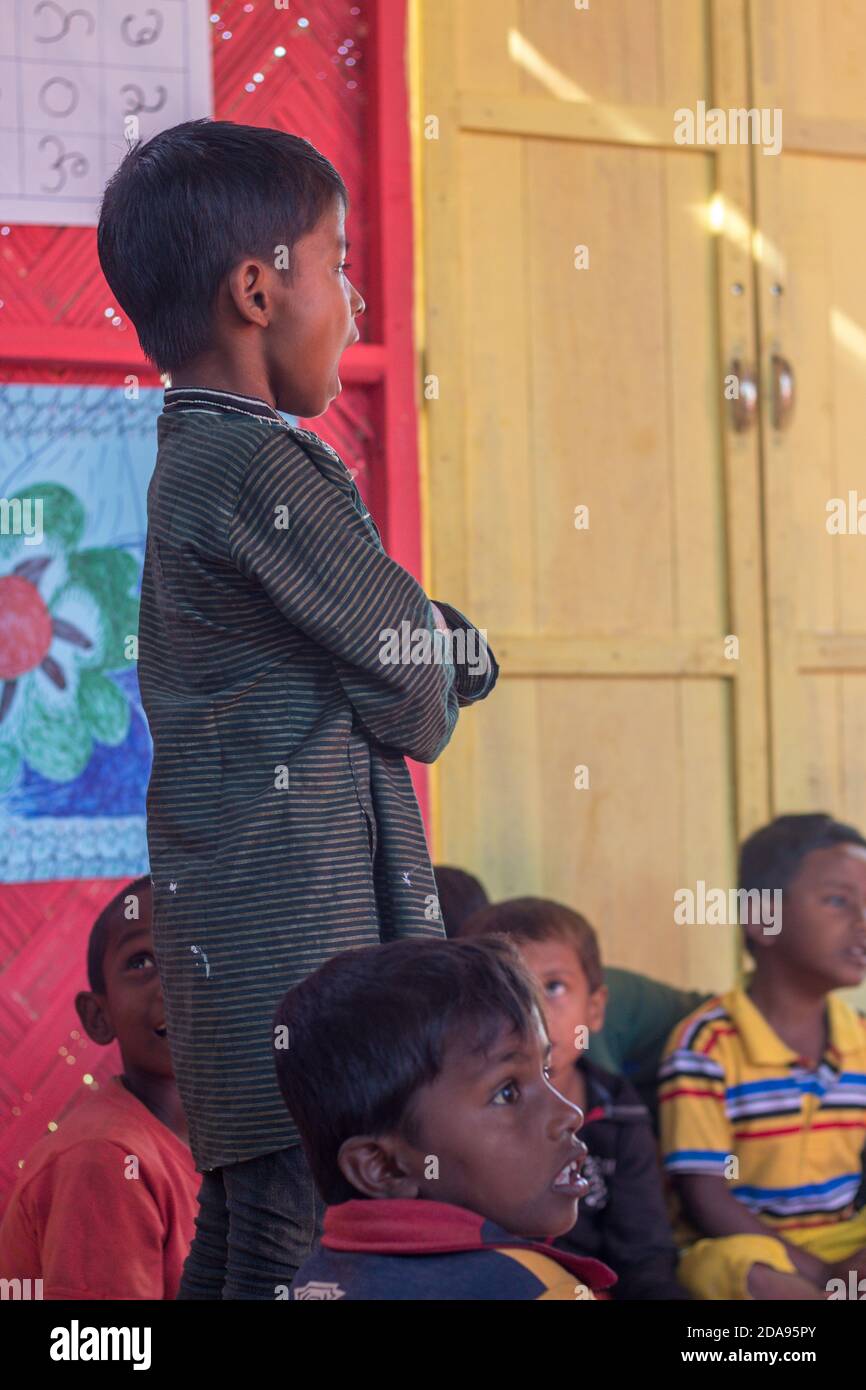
[316, 322]
[501, 1137]
[823, 933]
[132, 1008]
[569, 1003]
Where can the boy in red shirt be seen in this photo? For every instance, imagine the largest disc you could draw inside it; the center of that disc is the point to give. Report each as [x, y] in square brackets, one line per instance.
[105, 1205]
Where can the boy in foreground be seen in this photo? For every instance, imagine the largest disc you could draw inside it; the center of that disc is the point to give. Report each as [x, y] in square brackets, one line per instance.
[418, 1074]
[282, 822]
[105, 1205]
[763, 1090]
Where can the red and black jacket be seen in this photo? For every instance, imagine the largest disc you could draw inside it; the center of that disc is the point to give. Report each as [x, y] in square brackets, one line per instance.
[399, 1248]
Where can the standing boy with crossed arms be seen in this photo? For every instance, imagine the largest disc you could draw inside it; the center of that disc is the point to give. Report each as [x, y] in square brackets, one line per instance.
[282, 822]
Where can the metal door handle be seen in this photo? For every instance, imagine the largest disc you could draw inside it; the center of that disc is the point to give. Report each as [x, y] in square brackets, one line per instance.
[743, 406]
[783, 392]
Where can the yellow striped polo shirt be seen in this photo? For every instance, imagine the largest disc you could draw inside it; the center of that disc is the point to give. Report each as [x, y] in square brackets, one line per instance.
[731, 1089]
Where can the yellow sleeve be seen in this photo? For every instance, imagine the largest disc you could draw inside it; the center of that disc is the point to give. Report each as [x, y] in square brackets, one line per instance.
[695, 1133]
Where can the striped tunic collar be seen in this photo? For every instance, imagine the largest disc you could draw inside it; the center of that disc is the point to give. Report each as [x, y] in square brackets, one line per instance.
[203, 398]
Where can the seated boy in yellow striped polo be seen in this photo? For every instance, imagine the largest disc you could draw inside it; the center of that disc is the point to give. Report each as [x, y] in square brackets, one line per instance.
[282, 824]
[763, 1089]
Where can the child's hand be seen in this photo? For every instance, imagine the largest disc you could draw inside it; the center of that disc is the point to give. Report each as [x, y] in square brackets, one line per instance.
[765, 1282]
[439, 618]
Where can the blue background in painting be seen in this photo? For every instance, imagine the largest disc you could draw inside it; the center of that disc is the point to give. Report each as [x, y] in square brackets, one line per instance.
[114, 782]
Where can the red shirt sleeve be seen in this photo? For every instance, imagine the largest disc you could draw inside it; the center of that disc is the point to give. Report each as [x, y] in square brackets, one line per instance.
[98, 1226]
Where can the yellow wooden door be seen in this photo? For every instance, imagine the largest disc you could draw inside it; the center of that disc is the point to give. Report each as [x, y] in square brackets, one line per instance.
[808, 62]
[585, 286]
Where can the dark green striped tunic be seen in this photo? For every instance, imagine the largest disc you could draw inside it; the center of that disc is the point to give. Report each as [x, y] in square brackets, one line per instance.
[282, 824]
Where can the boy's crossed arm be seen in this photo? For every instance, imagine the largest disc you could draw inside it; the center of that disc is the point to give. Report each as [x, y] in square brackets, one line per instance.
[329, 578]
[476, 678]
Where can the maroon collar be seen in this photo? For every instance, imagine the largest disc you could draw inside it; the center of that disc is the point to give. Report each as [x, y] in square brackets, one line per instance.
[407, 1226]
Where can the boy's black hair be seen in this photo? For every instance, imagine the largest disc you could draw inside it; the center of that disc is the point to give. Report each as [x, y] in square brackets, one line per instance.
[110, 914]
[181, 210]
[773, 855]
[540, 919]
[371, 1026]
[460, 894]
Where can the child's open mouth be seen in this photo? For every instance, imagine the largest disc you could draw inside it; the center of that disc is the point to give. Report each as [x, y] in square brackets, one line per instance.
[161, 1032]
[569, 1180]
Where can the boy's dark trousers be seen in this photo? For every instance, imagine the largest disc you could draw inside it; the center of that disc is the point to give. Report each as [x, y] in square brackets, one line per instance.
[257, 1222]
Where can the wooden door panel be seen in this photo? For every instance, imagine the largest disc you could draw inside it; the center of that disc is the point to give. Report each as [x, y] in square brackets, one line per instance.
[652, 819]
[638, 52]
[808, 60]
[552, 386]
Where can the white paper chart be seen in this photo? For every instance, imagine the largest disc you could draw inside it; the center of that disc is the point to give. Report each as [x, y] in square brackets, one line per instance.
[72, 74]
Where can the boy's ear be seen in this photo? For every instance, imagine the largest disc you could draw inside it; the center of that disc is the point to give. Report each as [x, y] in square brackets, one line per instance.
[95, 1019]
[596, 1009]
[248, 291]
[373, 1167]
